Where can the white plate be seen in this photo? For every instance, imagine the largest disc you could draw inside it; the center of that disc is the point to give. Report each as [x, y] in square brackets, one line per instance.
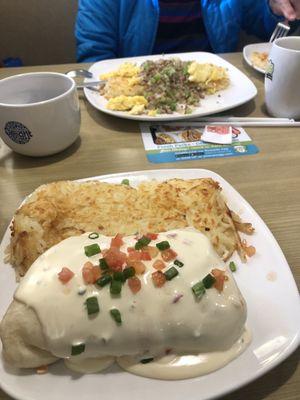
[273, 317]
[261, 48]
[240, 91]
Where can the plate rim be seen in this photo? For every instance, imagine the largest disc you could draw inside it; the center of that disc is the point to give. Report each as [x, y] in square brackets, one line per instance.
[160, 175]
[120, 114]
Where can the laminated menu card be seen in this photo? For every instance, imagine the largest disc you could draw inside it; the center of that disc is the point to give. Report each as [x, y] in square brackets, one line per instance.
[181, 141]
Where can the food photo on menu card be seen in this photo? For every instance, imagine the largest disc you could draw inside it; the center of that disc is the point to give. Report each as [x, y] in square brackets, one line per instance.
[119, 278]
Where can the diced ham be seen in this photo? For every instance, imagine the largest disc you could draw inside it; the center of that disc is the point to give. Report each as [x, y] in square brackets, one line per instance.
[65, 275]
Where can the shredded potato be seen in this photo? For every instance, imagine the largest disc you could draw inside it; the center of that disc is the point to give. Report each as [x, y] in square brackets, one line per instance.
[59, 210]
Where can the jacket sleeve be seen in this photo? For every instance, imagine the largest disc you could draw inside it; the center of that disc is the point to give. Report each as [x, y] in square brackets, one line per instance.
[96, 30]
[258, 18]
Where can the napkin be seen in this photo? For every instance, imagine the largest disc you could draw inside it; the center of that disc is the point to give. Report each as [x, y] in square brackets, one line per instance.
[219, 134]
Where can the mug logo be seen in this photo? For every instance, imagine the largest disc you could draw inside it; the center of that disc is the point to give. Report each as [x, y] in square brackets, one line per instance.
[270, 70]
[17, 132]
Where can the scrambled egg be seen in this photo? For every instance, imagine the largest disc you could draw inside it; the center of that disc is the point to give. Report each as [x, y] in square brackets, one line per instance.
[123, 89]
[209, 76]
[126, 70]
[136, 104]
[204, 73]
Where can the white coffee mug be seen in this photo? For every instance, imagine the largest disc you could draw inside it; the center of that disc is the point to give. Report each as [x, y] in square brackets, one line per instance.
[39, 113]
[282, 78]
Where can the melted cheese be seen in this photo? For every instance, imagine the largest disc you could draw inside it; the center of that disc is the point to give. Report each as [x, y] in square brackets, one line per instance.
[153, 321]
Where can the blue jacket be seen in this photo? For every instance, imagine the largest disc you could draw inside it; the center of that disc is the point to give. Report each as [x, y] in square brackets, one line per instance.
[126, 28]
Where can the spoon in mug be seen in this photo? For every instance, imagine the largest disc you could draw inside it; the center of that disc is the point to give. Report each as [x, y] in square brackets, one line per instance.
[77, 73]
[83, 73]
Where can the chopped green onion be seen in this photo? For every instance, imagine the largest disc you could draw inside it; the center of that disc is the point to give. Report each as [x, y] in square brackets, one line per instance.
[92, 305]
[125, 182]
[77, 349]
[119, 276]
[171, 273]
[92, 249]
[115, 287]
[142, 242]
[178, 263]
[128, 272]
[146, 360]
[103, 264]
[164, 245]
[93, 235]
[232, 266]
[208, 281]
[104, 280]
[115, 313]
[198, 290]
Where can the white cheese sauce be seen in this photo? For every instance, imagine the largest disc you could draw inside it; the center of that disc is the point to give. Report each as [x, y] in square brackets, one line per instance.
[155, 321]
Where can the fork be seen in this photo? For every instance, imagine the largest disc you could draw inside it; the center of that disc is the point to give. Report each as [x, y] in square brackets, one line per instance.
[281, 30]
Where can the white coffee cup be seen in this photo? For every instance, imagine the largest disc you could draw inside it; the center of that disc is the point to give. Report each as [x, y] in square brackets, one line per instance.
[282, 78]
[39, 113]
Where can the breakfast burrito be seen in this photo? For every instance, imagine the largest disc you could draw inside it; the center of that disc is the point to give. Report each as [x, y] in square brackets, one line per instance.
[142, 301]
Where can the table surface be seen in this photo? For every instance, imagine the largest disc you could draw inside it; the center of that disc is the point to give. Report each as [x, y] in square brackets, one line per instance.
[269, 180]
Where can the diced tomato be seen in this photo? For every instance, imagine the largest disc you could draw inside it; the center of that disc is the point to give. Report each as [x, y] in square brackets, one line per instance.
[158, 278]
[153, 251]
[130, 249]
[96, 273]
[168, 254]
[139, 267]
[104, 252]
[133, 256]
[115, 258]
[145, 256]
[117, 241]
[159, 264]
[87, 272]
[65, 275]
[151, 236]
[134, 284]
[90, 273]
[220, 278]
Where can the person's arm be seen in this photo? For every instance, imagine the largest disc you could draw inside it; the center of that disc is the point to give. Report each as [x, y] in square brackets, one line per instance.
[97, 30]
[258, 18]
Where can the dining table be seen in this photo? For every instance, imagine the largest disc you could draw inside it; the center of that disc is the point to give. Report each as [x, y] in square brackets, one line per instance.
[268, 180]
